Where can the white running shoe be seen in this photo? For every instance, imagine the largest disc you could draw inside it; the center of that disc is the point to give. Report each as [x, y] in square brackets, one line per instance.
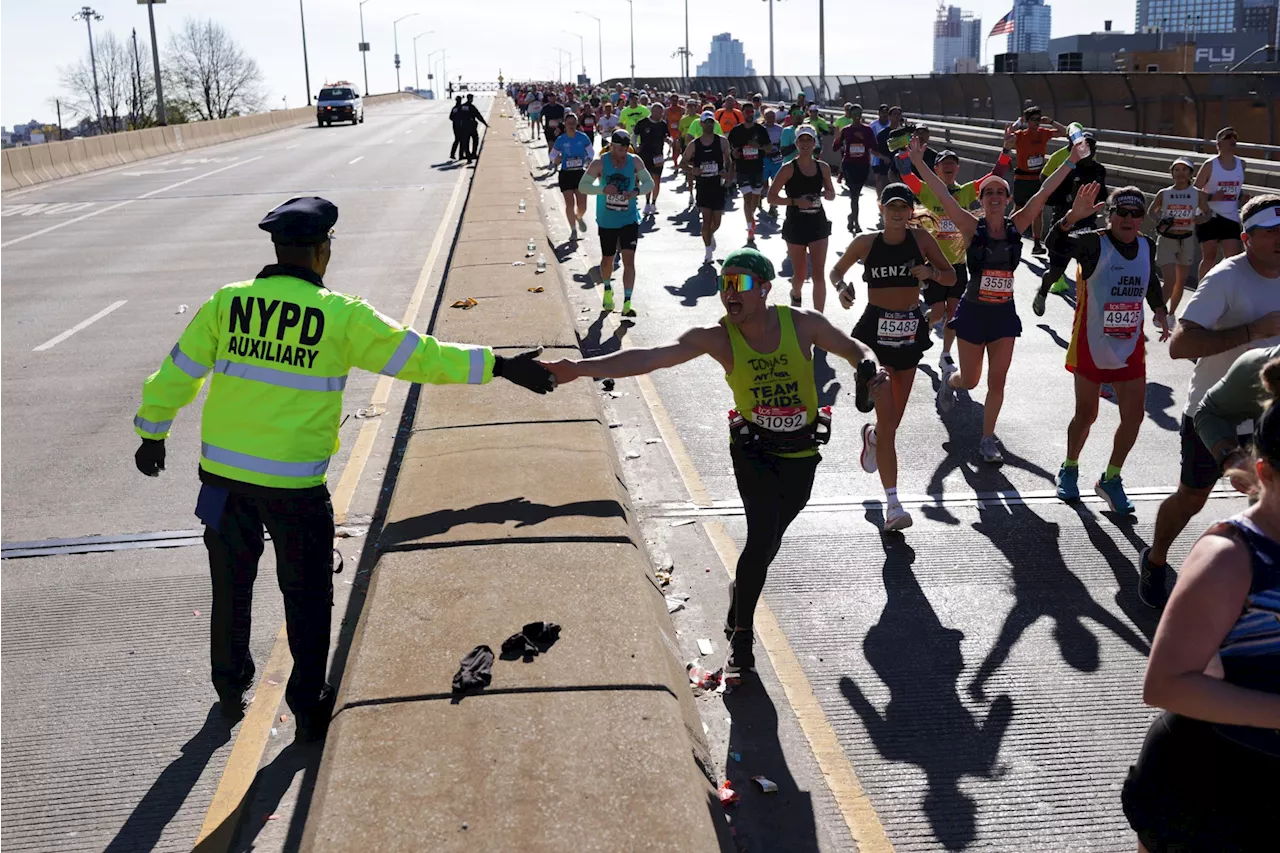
[708, 257]
[946, 364]
[989, 449]
[946, 394]
[868, 457]
[896, 518]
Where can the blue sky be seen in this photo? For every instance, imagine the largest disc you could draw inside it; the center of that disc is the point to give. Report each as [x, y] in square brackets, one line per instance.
[517, 36]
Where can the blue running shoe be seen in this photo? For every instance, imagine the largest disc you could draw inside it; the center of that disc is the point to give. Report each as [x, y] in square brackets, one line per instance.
[1112, 493]
[1068, 485]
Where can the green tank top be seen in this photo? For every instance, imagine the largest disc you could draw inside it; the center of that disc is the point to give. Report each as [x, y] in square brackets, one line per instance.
[774, 390]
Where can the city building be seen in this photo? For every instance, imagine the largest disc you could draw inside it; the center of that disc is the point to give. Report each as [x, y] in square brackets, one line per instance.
[1168, 51]
[957, 35]
[726, 59]
[1031, 19]
[1259, 16]
[1195, 16]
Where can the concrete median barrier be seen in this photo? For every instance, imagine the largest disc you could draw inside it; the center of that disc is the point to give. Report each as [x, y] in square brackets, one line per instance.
[42, 163]
[7, 180]
[509, 509]
[36, 164]
[22, 166]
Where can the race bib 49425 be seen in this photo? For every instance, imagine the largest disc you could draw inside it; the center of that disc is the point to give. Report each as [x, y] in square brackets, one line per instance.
[1121, 319]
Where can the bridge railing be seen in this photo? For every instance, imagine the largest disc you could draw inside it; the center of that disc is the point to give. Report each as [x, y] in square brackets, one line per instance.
[1188, 106]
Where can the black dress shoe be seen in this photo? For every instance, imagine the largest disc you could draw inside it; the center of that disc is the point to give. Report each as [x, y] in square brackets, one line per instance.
[313, 724]
[232, 704]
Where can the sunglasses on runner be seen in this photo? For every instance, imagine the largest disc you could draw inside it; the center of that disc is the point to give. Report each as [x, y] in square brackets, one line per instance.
[1129, 212]
[738, 282]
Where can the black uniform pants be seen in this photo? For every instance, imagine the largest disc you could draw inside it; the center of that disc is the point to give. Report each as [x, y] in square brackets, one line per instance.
[301, 529]
[473, 143]
[774, 490]
[459, 141]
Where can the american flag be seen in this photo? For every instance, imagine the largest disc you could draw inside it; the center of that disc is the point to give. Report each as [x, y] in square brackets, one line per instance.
[1004, 26]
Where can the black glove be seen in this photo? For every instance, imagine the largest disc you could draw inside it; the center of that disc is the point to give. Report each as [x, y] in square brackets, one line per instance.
[150, 457]
[524, 370]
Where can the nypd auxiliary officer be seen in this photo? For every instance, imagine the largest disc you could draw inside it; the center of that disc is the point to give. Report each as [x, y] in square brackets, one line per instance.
[280, 348]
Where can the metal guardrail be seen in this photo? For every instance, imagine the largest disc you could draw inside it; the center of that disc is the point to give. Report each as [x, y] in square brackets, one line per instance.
[1141, 139]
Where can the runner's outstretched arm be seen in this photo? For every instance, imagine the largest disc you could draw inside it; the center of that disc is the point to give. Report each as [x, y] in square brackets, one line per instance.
[963, 219]
[1031, 211]
[637, 361]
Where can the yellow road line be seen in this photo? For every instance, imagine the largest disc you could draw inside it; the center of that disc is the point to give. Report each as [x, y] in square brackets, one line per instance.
[855, 806]
[224, 812]
[251, 741]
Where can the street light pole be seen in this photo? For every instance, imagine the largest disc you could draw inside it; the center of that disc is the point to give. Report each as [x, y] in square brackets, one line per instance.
[632, 5]
[417, 83]
[599, 42]
[581, 53]
[364, 48]
[395, 39]
[687, 55]
[306, 66]
[822, 54]
[431, 71]
[161, 117]
[88, 15]
[770, 2]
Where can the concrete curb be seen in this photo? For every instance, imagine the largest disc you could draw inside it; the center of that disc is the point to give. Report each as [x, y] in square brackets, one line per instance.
[510, 508]
[38, 164]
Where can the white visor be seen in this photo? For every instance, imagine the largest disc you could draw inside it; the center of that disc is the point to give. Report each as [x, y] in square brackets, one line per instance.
[1267, 217]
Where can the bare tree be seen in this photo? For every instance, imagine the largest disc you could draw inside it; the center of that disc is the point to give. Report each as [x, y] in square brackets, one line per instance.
[115, 80]
[209, 74]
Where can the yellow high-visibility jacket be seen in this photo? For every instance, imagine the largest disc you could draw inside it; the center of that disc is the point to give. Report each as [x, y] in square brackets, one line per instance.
[280, 348]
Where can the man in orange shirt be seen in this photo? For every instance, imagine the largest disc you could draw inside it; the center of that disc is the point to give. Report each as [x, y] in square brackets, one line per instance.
[1031, 137]
[729, 116]
[675, 112]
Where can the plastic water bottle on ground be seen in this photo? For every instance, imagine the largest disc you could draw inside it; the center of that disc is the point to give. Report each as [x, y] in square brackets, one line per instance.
[542, 263]
[531, 249]
[522, 205]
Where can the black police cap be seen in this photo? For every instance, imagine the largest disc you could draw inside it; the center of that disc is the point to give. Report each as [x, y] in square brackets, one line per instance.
[301, 221]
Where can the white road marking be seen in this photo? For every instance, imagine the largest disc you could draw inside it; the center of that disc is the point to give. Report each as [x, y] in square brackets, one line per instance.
[158, 171]
[120, 204]
[389, 141]
[357, 160]
[44, 208]
[53, 342]
[291, 147]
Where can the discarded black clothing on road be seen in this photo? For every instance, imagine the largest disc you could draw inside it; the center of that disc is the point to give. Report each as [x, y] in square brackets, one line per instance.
[476, 670]
[533, 639]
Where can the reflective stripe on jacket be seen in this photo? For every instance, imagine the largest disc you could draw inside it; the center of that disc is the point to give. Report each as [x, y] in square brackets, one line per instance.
[280, 348]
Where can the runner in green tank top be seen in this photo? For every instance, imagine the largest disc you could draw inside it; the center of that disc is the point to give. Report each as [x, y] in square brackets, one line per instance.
[776, 429]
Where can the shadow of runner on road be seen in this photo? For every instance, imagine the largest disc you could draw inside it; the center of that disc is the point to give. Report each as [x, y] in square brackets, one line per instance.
[924, 722]
[1043, 586]
[964, 432]
[824, 377]
[764, 822]
[697, 286]
[1158, 402]
[146, 823]
[1124, 568]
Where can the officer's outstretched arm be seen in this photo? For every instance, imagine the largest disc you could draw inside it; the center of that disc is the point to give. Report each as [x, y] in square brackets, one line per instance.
[376, 343]
[181, 374]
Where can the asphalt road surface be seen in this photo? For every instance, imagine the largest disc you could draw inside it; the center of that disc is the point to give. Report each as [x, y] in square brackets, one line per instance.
[111, 739]
[981, 672]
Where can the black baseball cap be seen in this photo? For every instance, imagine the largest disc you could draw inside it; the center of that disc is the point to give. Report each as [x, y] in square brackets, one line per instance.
[898, 192]
[946, 154]
[620, 137]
